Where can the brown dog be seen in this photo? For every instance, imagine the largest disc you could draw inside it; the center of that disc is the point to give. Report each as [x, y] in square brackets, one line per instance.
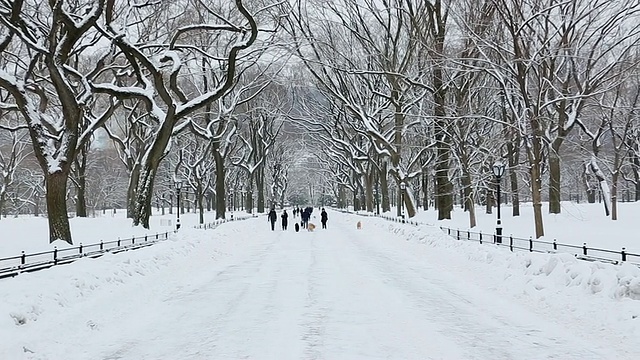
[311, 227]
[359, 225]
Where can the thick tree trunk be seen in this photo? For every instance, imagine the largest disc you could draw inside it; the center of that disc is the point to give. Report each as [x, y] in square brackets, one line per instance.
[384, 187]
[144, 196]
[369, 191]
[260, 188]
[221, 195]
[134, 179]
[59, 228]
[81, 201]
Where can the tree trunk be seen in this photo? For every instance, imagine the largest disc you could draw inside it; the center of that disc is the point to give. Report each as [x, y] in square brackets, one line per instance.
[369, 197]
[536, 190]
[134, 179]
[554, 178]
[59, 228]
[614, 196]
[515, 198]
[469, 204]
[221, 196]
[2, 204]
[260, 188]
[384, 187]
[200, 197]
[425, 190]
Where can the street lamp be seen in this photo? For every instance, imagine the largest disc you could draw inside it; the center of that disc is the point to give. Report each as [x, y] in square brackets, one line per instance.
[498, 171]
[178, 188]
[403, 186]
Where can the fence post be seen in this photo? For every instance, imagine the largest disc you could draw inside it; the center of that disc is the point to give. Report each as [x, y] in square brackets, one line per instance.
[118, 242]
[623, 253]
[468, 235]
[23, 258]
[145, 238]
[511, 242]
[480, 238]
[449, 231]
[458, 235]
[156, 236]
[584, 248]
[133, 240]
[101, 245]
[555, 245]
[530, 244]
[80, 250]
[55, 254]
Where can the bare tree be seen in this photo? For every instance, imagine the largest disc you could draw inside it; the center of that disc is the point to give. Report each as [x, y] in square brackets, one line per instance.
[156, 81]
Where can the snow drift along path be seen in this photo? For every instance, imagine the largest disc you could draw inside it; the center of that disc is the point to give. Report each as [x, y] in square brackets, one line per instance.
[245, 292]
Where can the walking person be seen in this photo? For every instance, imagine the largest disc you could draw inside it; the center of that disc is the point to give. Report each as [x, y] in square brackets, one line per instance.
[272, 218]
[323, 218]
[285, 219]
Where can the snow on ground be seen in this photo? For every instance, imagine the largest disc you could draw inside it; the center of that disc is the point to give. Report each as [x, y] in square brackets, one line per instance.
[388, 291]
[31, 234]
[575, 225]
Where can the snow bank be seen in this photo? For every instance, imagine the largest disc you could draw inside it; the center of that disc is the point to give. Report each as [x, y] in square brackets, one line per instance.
[541, 270]
[29, 296]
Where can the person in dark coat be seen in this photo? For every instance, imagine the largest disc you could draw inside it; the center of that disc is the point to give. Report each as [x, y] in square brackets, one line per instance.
[273, 217]
[305, 218]
[285, 219]
[323, 218]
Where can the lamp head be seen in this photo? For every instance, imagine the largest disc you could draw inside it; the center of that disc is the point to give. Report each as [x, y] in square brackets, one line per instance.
[498, 168]
[178, 183]
[403, 185]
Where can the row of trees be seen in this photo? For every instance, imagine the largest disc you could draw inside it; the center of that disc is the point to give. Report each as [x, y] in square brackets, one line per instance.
[417, 89]
[361, 97]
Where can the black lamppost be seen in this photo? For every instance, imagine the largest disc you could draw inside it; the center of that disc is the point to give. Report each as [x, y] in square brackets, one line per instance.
[242, 198]
[178, 188]
[403, 186]
[498, 171]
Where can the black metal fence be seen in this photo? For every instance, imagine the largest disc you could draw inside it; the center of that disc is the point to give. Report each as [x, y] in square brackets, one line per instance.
[528, 244]
[215, 223]
[14, 265]
[582, 252]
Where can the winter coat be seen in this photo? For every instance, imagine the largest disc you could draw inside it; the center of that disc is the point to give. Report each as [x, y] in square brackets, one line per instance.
[323, 216]
[285, 218]
[273, 216]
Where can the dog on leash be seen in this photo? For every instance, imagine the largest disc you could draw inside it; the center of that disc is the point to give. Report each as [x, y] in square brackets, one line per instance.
[359, 225]
[311, 227]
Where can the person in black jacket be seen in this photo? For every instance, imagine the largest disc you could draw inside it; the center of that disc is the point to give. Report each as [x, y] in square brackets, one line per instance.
[323, 218]
[273, 217]
[285, 219]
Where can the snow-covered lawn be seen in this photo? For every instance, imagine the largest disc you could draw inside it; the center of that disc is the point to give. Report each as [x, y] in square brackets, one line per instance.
[388, 291]
[575, 225]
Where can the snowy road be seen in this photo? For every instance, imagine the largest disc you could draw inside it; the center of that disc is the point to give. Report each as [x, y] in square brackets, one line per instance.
[338, 293]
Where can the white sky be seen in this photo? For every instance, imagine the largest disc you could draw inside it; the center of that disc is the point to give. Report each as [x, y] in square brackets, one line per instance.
[387, 291]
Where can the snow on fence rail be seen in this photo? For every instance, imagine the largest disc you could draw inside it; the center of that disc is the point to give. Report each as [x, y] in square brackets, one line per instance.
[582, 252]
[14, 265]
[213, 224]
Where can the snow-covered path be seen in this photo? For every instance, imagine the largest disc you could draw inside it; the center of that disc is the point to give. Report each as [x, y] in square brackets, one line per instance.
[339, 293]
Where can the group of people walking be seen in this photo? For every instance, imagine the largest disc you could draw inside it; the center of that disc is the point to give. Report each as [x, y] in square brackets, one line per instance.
[305, 215]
